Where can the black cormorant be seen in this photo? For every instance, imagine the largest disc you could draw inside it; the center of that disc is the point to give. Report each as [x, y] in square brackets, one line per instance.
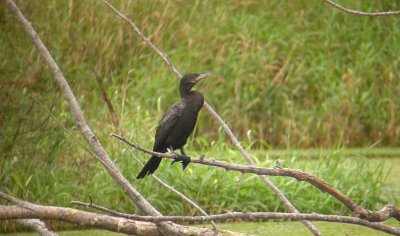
[177, 124]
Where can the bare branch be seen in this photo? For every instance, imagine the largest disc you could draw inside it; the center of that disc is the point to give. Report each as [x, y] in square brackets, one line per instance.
[37, 225]
[360, 13]
[389, 211]
[88, 219]
[27, 210]
[251, 216]
[214, 114]
[191, 202]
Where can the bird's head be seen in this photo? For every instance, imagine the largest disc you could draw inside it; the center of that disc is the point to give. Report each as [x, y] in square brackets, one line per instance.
[189, 80]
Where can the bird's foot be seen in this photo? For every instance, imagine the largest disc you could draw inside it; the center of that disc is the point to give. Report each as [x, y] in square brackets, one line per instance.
[181, 158]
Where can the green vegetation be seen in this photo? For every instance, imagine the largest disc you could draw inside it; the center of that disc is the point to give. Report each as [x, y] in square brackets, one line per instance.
[295, 73]
[287, 75]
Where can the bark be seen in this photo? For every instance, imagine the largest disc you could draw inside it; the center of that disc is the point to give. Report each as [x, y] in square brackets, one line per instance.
[37, 225]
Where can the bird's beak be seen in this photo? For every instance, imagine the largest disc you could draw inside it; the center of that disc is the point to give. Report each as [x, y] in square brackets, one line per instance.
[200, 77]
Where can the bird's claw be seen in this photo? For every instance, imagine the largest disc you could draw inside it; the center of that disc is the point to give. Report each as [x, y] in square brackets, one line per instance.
[181, 158]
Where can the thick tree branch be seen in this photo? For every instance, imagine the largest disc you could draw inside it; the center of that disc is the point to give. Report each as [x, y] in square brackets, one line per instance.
[116, 224]
[360, 13]
[214, 114]
[251, 216]
[388, 212]
[27, 210]
[131, 224]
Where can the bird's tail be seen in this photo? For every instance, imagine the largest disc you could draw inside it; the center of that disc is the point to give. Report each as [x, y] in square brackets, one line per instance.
[150, 167]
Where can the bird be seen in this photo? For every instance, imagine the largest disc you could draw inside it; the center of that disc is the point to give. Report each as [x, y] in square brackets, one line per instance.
[177, 124]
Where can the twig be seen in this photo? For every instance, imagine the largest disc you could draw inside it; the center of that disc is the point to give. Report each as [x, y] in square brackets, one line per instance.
[214, 114]
[250, 216]
[388, 211]
[114, 117]
[360, 13]
[80, 121]
[62, 126]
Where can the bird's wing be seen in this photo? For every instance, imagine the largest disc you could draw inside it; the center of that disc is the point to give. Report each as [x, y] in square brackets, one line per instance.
[166, 124]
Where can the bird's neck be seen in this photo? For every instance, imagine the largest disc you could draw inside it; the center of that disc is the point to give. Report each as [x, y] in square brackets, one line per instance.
[184, 92]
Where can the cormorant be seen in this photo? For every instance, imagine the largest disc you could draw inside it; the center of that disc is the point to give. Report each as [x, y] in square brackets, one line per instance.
[177, 124]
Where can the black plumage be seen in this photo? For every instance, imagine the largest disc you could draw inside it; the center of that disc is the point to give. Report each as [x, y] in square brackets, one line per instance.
[177, 124]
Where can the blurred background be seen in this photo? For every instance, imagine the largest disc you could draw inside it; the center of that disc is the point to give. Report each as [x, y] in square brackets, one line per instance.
[297, 81]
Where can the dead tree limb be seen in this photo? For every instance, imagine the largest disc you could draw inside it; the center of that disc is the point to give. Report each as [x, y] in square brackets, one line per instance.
[387, 212]
[251, 216]
[133, 224]
[360, 13]
[215, 115]
[27, 210]
[116, 224]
